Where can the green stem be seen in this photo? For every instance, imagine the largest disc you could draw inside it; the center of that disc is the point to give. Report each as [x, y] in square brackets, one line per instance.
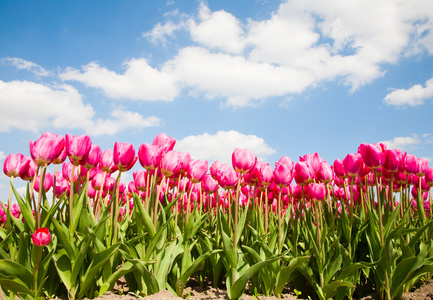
[116, 208]
[36, 271]
[71, 203]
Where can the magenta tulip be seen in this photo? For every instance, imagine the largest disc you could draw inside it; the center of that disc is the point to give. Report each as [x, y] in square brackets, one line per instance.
[140, 177]
[93, 157]
[353, 164]
[15, 164]
[170, 163]
[41, 237]
[149, 156]
[283, 174]
[392, 160]
[243, 161]
[67, 170]
[303, 173]
[266, 175]
[47, 148]
[229, 179]
[197, 170]
[373, 154]
[124, 156]
[324, 174]
[429, 177]
[28, 170]
[166, 143]
[339, 169]
[106, 163]
[417, 166]
[61, 157]
[209, 184]
[77, 147]
[317, 191]
[48, 182]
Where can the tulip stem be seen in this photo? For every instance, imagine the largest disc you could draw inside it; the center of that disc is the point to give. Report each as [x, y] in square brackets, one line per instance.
[71, 203]
[36, 270]
[41, 190]
[116, 208]
[9, 202]
[238, 189]
[279, 222]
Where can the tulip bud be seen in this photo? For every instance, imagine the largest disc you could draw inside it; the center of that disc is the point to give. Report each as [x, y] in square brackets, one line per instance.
[41, 237]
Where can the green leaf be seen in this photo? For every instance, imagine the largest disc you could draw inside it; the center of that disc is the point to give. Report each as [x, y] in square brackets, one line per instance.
[10, 283]
[284, 274]
[26, 210]
[11, 268]
[147, 220]
[238, 286]
[330, 289]
[187, 274]
[156, 239]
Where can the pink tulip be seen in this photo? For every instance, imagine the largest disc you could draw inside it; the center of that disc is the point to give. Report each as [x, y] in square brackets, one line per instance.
[109, 185]
[392, 160]
[166, 143]
[61, 157]
[16, 210]
[228, 179]
[217, 168]
[62, 185]
[106, 163]
[170, 163]
[283, 174]
[41, 237]
[124, 156]
[303, 173]
[77, 147]
[324, 174]
[314, 160]
[48, 147]
[28, 170]
[316, 191]
[48, 182]
[197, 170]
[417, 166]
[373, 154]
[185, 159]
[209, 184]
[67, 170]
[266, 175]
[339, 169]
[243, 161]
[15, 165]
[429, 177]
[97, 180]
[93, 157]
[2, 215]
[353, 164]
[149, 156]
[140, 178]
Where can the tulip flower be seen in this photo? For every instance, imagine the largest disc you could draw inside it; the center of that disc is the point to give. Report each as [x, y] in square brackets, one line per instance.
[266, 175]
[392, 160]
[124, 156]
[48, 182]
[170, 163]
[339, 169]
[149, 156]
[77, 147]
[353, 164]
[197, 170]
[41, 237]
[15, 164]
[93, 157]
[140, 179]
[243, 160]
[228, 179]
[324, 174]
[166, 143]
[209, 184]
[316, 191]
[106, 162]
[429, 177]
[283, 174]
[28, 169]
[47, 148]
[303, 173]
[373, 154]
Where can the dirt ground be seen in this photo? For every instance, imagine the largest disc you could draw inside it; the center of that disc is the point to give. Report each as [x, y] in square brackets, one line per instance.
[425, 291]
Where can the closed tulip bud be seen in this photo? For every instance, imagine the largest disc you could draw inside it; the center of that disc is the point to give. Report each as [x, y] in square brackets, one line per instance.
[124, 156]
[185, 159]
[314, 160]
[283, 174]
[372, 154]
[197, 170]
[392, 160]
[15, 164]
[48, 182]
[60, 158]
[47, 148]
[41, 237]
[106, 163]
[149, 156]
[317, 191]
[429, 177]
[266, 175]
[28, 170]
[303, 173]
[140, 178]
[243, 160]
[353, 164]
[109, 184]
[170, 163]
[166, 143]
[67, 170]
[229, 179]
[77, 147]
[339, 169]
[209, 184]
[93, 157]
[325, 172]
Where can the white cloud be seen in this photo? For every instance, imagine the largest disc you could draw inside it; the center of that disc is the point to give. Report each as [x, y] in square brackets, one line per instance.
[406, 143]
[221, 145]
[22, 64]
[415, 95]
[2, 155]
[31, 106]
[160, 32]
[139, 81]
[218, 30]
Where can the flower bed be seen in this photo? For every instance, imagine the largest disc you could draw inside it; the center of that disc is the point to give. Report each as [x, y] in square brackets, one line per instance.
[337, 231]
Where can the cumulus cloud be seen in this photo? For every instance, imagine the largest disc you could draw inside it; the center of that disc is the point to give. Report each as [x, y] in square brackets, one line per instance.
[22, 64]
[220, 146]
[32, 107]
[160, 32]
[408, 143]
[415, 95]
[139, 81]
[2, 155]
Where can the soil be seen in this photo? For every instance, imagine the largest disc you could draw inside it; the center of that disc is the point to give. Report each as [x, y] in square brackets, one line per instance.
[425, 291]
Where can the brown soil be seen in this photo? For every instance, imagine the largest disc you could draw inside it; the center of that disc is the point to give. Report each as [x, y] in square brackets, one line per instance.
[425, 291]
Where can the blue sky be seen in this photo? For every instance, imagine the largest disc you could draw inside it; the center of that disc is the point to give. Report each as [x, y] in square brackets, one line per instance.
[275, 77]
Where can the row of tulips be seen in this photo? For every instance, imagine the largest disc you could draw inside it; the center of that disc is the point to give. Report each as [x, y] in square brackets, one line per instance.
[337, 231]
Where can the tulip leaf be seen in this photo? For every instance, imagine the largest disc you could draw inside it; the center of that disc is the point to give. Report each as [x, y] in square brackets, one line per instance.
[11, 268]
[15, 285]
[147, 220]
[26, 210]
[187, 274]
[284, 274]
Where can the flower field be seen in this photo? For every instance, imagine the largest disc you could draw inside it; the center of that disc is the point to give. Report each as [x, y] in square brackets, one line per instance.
[336, 230]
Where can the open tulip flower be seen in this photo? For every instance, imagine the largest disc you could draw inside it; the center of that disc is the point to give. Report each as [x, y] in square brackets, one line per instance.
[41, 237]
